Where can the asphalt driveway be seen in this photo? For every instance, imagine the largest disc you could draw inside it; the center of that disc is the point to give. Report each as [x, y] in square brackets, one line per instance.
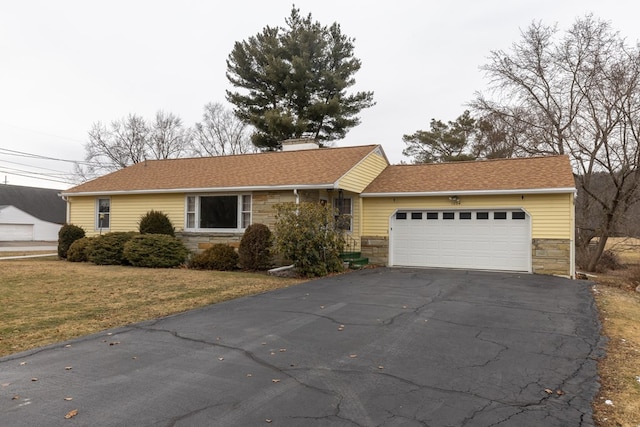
[377, 347]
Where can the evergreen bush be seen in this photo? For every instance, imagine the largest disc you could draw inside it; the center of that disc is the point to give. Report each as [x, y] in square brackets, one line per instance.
[217, 257]
[155, 251]
[307, 234]
[108, 249]
[79, 250]
[68, 234]
[255, 247]
[156, 222]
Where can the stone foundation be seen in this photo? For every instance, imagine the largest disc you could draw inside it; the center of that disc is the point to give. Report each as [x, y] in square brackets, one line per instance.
[551, 256]
[197, 242]
[376, 248]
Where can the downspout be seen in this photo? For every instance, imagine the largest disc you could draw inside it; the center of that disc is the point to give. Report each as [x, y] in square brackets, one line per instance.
[68, 214]
[295, 192]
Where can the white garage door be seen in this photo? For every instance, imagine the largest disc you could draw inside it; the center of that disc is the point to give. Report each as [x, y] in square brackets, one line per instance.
[13, 232]
[475, 239]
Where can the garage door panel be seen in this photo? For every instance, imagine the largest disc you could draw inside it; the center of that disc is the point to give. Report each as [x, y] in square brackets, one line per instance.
[493, 244]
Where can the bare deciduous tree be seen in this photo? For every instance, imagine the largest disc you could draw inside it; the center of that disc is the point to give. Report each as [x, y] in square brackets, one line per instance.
[131, 140]
[220, 133]
[168, 138]
[578, 94]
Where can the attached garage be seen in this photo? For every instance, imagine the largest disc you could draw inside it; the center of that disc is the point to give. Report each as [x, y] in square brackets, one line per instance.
[506, 214]
[471, 239]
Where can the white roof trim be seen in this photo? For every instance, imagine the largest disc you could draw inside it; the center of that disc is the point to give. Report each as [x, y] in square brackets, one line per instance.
[473, 192]
[205, 190]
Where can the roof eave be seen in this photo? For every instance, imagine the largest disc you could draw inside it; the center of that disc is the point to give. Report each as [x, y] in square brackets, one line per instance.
[562, 190]
[240, 189]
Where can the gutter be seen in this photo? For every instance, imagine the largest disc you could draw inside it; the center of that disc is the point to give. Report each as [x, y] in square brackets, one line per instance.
[205, 190]
[473, 192]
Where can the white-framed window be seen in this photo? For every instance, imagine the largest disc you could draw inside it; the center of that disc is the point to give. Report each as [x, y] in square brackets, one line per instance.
[218, 212]
[345, 212]
[103, 213]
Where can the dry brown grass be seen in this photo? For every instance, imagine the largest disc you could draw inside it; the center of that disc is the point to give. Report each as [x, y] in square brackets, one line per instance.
[47, 300]
[619, 307]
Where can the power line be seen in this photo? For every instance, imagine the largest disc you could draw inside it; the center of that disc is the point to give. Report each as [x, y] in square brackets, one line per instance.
[9, 152]
[28, 175]
[34, 167]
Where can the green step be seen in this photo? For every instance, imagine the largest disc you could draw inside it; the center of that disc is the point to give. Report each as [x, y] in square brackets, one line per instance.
[358, 262]
[348, 256]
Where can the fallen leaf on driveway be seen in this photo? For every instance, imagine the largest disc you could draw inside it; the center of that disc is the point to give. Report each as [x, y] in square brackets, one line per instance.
[68, 368]
[353, 356]
[548, 391]
[16, 397]
[282, 350]
[268, 420]
[380, 367]
[559, 392]
[71, 414]
[23, 363]
[34, 379]
[275, 380]
[68, 399]
[220, 358]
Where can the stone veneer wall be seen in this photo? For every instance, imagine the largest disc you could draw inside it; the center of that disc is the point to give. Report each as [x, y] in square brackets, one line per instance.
[197, 242]
[551, 256]
[376, 248]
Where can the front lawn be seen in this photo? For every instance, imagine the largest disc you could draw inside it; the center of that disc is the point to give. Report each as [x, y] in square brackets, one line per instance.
[45, 300]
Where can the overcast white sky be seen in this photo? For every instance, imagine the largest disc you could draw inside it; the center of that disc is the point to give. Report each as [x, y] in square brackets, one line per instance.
[66, 64]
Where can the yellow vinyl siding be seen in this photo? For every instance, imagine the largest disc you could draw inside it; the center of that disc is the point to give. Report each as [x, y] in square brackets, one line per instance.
[551, 214]
[126, 210]
[82, 212]
[363, 173]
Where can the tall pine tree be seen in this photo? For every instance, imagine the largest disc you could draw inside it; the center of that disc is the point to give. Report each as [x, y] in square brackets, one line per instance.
[294, 82]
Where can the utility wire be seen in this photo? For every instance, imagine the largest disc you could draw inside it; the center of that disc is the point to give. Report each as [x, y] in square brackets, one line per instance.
[38, 156]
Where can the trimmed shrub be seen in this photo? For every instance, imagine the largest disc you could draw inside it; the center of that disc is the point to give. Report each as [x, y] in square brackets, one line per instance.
[307, 234]
[80, 249]
[155, 251]
[218, 257]
[156, 222]
[68, 234]
[108, 249]
[255, 247]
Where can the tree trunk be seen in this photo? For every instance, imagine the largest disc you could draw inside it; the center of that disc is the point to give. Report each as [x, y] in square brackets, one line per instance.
[595, 256]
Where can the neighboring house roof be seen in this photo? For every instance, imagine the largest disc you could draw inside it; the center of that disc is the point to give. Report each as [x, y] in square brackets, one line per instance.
[520, 175]
[42, 203]
[320, 168]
